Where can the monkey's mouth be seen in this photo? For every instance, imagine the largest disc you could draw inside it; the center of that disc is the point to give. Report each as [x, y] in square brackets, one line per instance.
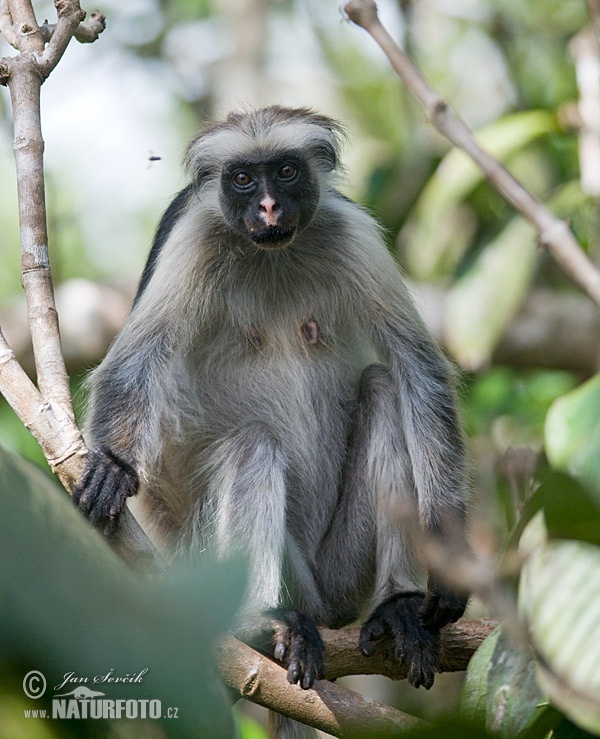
[273, 236]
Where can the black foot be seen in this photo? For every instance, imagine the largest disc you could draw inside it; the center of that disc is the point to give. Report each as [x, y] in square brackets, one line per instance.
[298, 641]
[102, 490]
[441, 606]
[416, 645]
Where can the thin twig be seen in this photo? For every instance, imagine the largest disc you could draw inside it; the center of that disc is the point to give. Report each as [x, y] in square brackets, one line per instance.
[553, 233]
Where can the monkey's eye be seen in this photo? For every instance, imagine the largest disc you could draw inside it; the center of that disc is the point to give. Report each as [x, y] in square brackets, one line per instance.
[287, 171]
[242, 179]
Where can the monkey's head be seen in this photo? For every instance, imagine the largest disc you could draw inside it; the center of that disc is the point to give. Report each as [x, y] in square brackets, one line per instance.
[268, 168]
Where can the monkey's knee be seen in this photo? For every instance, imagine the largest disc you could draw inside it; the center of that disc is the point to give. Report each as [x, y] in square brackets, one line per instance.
[252, 439]
[375, 383]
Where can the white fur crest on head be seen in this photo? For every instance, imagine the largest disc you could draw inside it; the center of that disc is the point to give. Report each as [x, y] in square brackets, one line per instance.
[265, 132]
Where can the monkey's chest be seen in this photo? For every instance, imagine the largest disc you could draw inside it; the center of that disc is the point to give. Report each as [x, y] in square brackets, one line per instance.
[298, 374]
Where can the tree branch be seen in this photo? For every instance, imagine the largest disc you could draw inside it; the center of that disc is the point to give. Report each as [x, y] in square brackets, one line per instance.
[553, 233]
[329, 707]
[47, 412]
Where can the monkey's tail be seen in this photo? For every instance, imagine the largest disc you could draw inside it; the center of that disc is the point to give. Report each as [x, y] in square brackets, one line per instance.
[282, 727]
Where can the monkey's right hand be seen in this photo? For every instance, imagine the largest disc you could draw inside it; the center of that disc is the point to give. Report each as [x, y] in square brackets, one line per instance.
[103, 489]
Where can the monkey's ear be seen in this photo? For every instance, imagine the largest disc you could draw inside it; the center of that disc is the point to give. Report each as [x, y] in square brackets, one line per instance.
[326, 141]
[325, 152]
[198, 166]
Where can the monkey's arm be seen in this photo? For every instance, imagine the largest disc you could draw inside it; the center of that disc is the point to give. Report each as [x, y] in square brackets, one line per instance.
[128, 388]
[122, 427]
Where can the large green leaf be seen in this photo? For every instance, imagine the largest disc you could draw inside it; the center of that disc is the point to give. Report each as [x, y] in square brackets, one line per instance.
[559, 597]
[572, 433]
[473, 702]
[570, 511]
[437, 234]
[482, 303]
[67, 604]
[501, 692]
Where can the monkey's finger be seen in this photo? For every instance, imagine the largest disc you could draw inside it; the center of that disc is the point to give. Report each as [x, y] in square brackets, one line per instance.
[294, 671]
[422, 649]
[308, 679]
[280, 651]
[371, 632]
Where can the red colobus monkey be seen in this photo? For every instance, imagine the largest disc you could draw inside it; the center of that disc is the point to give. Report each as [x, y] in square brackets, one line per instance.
[274, 391]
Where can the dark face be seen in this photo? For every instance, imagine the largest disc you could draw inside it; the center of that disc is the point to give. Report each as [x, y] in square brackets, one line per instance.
[270, 201]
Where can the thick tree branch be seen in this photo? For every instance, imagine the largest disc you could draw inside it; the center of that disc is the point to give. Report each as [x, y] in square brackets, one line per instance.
[330, 707]
[327, 707]
[553, 233]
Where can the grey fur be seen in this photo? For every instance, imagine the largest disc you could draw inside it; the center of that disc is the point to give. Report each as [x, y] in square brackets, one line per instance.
[248, 435]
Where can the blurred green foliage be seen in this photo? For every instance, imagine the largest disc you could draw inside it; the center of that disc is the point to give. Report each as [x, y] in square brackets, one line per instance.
[506, 67]
[68, 605]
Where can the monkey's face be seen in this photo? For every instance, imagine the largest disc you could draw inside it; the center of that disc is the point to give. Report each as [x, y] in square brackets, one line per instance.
[269, 202]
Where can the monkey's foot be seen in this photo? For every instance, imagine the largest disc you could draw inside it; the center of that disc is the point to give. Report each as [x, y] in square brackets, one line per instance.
[298, 641]
[102, 490]
[441, 606]
[416, 645]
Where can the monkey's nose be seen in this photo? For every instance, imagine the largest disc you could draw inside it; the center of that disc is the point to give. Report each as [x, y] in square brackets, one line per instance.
[269, 210]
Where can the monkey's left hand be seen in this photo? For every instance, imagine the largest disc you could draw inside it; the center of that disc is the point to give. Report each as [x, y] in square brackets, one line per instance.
[416, 645]
[441, 606]
[103, 488]
[298, 641]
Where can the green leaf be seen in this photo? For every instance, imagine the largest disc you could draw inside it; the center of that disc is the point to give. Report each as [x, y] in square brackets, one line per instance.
[482, 303]
[559, 597]
[436, 234]
[474, 695]
[68, 604]
[501, 692]
[572, 434]
[570, 510]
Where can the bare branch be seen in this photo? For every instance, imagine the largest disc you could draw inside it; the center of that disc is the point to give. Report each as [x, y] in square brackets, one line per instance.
[86, 32]
[586, 55]
[69, 15]
[25, 27]
[594, 11]
[47, 412]
[330, 707]
[553, 233]
[53, 430]
[6, 24]
[327, 707]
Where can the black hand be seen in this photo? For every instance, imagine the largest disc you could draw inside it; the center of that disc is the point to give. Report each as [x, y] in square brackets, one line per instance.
[102, 490]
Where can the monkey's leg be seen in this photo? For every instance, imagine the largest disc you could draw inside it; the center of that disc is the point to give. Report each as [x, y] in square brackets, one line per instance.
[380, 465]
[245, 510]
